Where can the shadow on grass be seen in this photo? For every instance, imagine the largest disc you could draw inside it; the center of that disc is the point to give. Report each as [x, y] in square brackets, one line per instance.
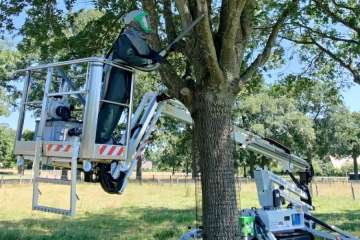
[7, 173]
[130, 224]
[126, 223]
[346, 220]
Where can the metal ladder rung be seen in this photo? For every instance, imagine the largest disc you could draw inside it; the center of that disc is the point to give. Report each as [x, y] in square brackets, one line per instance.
[33, 102]
[52, 210]
[53, 181]
[115, 103]
[66, 93]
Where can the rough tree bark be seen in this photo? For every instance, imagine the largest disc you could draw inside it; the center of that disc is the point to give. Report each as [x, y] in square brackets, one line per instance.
[212, 127]
[216, 58]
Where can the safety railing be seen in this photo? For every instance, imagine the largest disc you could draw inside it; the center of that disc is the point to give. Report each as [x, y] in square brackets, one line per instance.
[88, 94]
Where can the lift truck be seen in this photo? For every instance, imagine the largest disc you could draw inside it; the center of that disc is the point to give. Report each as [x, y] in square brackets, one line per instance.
[285, 203]
[65, 137]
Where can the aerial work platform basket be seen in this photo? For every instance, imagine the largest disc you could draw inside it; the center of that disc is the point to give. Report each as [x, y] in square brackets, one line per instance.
[77, 83]
[88, 94]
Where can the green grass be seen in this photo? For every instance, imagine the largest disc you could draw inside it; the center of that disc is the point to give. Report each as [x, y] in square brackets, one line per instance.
[147, 211]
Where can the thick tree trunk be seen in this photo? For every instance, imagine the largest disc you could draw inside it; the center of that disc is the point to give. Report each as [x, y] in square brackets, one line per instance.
[212, 129]
[139, 168]
[64, 174]
[187, 166]
[78, 175]
[356, 168]
[252, 168]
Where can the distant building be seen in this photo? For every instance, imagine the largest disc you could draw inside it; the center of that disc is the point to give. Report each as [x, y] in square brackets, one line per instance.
[147, 165]
[341, 162]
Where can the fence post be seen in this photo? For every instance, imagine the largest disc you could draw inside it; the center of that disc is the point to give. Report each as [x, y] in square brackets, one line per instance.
[352, 191]
[1, 181]
[317, 191]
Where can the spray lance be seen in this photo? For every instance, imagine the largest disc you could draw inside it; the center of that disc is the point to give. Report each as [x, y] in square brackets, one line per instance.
[164, 52]
[181, 36]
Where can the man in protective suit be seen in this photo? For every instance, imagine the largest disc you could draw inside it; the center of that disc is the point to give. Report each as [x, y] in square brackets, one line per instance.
[130, 48]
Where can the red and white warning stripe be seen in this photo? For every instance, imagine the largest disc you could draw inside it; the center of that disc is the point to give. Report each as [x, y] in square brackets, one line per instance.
[58, 147]
[111, 150]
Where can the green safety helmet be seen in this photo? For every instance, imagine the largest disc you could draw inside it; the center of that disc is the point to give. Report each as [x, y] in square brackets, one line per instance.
[141, 18]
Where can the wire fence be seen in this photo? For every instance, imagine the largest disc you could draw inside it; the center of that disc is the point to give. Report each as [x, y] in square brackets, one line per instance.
[317, 189]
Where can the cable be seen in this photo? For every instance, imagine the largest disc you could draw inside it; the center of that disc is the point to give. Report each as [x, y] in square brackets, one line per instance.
[197, 201]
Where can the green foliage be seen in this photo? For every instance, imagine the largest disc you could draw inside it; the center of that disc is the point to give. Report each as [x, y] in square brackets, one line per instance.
[52, 32]
[313, 96]
[8, 63]
[278, 118]
[28, 135]
[316, 98]
[345, 126]
[325, 168]
[171, 148]
[3, 106]
[275, 117]
[10, 60]
[7, 137]
[327, 34]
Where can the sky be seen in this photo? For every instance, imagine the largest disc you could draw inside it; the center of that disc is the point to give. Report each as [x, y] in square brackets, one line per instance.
[350, 95]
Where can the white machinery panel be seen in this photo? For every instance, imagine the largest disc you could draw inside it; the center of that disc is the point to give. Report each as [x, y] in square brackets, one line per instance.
[282, 219]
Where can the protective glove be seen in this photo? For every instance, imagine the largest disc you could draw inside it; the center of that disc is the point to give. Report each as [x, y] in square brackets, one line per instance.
[176, 46]
[156, 57]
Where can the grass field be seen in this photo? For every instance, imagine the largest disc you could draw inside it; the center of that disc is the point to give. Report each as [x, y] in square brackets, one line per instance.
[148, 211]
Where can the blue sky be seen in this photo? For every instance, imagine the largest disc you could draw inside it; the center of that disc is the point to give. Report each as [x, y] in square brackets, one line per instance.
[350, 95]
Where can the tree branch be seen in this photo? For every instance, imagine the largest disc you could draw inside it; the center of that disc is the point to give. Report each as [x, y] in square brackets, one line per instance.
[342, 63]
[151, 8]
[169, 23]
[343, 5]
[228, 31]
[168, 75]
[264, 56]
[184, 11]
[209, 69]
[178, 88]
[324, 35]
[336, 17]
[298, 41]
[354, 72]
[244, 31]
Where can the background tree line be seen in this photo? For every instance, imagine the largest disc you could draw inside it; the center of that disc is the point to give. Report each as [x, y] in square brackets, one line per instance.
[306, 114]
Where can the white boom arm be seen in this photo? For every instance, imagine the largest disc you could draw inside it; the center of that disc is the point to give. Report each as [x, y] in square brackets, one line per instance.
[246, 139]
[153, 105]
